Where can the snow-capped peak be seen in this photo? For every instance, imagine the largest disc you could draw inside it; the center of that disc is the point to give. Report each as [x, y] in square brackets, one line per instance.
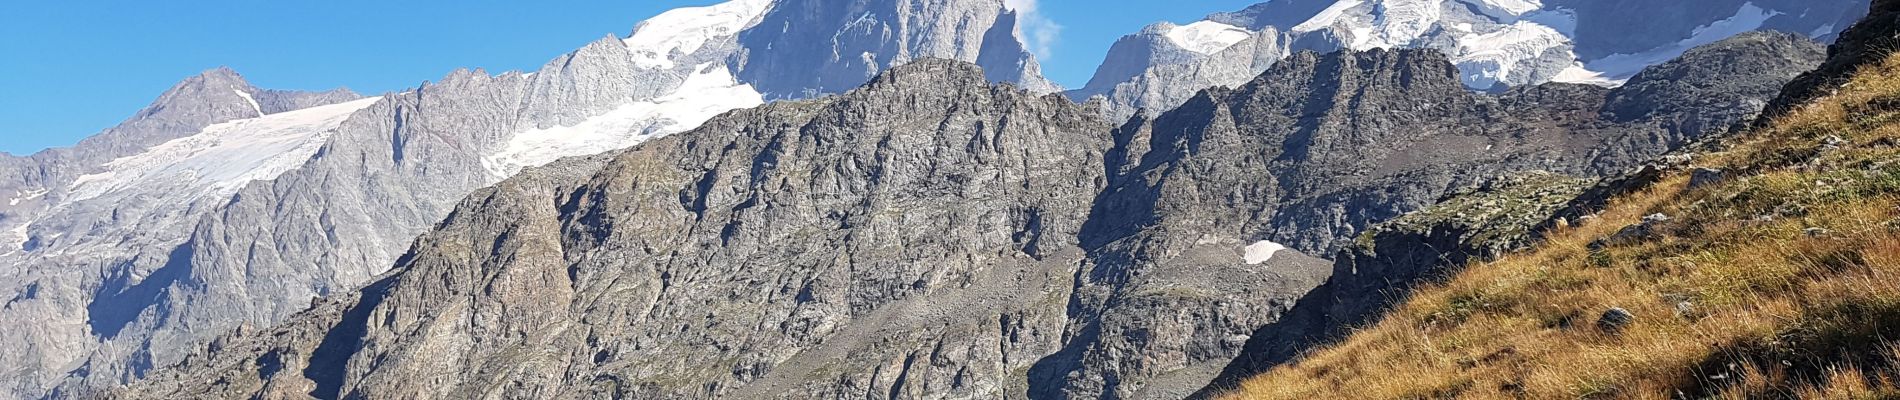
[1206, 37]
[683, 31]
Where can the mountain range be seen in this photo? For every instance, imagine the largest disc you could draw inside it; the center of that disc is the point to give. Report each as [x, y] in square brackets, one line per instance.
[795, 198]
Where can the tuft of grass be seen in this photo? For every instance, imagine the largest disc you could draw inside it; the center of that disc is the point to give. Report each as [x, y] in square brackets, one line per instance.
[1783, 281]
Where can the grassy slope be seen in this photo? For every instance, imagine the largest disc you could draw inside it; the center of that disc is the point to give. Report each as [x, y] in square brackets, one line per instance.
[1781, 281]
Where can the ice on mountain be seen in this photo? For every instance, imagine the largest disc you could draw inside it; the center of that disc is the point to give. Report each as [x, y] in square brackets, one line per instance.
[1489, 58]
[252, 100]
[223, 157]
[1206, 37]
[685, 30]
[1620, 67]
[710, 91]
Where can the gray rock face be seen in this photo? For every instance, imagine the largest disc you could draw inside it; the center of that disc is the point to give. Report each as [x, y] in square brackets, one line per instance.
[916, 238]
[803, 48]
[1702, 85]
[158, 275]
[1148, 72]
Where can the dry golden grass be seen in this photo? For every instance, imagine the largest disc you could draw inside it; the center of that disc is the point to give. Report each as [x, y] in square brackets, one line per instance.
[1782, 282]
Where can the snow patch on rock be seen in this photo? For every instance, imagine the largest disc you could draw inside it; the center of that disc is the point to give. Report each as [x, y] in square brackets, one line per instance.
[1206, 37]
[1578, 74]
[710, 91]
[1261, 251]
[681, 31]
[25, 196]
[248, 99]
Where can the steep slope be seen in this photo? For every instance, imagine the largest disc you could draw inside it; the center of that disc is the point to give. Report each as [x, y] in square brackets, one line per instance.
[253, 219]
[1320, 147]
[1759, 268]
[1763, 272]
[773, 253]
[1710, 88]
[1496, 44]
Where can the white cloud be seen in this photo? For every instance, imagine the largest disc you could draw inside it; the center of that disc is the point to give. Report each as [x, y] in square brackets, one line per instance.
[1037, 32]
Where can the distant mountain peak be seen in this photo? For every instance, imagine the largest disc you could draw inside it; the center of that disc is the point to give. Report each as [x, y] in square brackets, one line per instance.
[1495, 43]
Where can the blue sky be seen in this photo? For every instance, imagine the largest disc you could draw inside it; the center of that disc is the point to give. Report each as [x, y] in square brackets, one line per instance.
[72, 68]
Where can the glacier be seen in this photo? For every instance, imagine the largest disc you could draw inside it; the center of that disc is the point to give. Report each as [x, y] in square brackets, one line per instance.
[1206, 37]
[710, 91]
[681, 31]
[223, 157]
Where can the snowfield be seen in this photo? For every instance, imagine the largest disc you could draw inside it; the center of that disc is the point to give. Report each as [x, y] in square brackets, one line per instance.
[223, 157]
[709, 92]
[683, 31]
[1206, 37]
[1261, 252]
